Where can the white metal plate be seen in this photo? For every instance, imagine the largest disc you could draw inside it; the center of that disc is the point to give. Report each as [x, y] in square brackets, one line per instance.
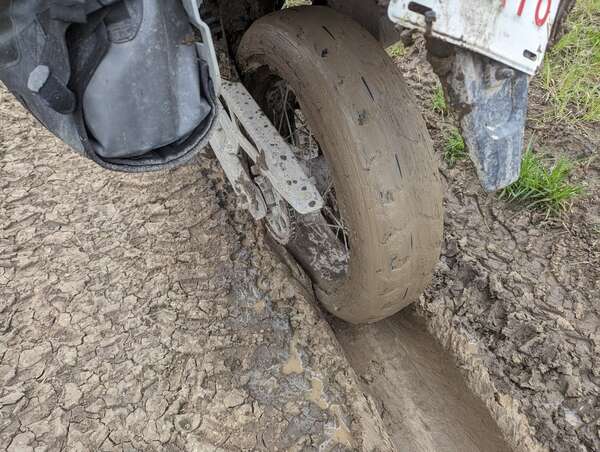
[514, 32]
[269, 151]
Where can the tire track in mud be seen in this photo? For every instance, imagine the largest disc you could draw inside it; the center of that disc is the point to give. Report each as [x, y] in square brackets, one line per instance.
[515, 296]
[422, 397]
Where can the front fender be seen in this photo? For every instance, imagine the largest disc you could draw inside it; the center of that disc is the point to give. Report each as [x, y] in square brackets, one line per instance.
[489, 100]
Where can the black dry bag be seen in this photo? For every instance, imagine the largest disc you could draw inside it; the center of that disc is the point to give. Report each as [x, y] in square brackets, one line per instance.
[120, 81]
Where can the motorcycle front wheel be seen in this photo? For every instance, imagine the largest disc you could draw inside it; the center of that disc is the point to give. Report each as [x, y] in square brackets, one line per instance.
[340, 101]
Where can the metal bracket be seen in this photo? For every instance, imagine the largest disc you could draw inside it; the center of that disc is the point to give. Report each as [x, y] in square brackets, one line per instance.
[225, 145]
[243, 125]
[206, 48]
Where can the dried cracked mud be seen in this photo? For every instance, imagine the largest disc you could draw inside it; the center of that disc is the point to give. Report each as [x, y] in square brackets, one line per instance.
[136, 313]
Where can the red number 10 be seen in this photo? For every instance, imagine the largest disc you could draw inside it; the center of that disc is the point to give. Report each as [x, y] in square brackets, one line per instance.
[539, 20]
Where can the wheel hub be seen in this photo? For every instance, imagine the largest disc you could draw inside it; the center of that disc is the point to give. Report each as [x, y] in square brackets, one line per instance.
[280, 218]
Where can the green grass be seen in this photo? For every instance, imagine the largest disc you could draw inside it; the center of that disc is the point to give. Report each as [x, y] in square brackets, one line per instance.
[396, 50]
[290, 3]
[571, 70]
[454, 148]
[438, 102]
[543, 187]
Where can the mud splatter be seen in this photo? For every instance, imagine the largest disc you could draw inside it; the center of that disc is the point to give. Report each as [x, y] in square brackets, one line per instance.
[316, 395]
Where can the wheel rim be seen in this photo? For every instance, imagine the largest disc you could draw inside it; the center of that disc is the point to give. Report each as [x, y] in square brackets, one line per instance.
[286, 114]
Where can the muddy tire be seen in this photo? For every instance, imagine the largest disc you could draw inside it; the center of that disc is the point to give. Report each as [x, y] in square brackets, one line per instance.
[376, 143]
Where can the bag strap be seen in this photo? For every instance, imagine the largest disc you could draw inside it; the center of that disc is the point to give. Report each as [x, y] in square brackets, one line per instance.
[50, 78]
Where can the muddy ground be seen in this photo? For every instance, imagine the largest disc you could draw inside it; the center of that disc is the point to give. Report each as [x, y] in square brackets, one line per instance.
[146, 313]
[141, 311]
[516, 295]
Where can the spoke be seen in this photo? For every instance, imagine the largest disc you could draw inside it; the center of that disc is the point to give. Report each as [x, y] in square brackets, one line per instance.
[284, 106]
[287, 113]
[328, 189]
[289, 124]
[339, 226]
